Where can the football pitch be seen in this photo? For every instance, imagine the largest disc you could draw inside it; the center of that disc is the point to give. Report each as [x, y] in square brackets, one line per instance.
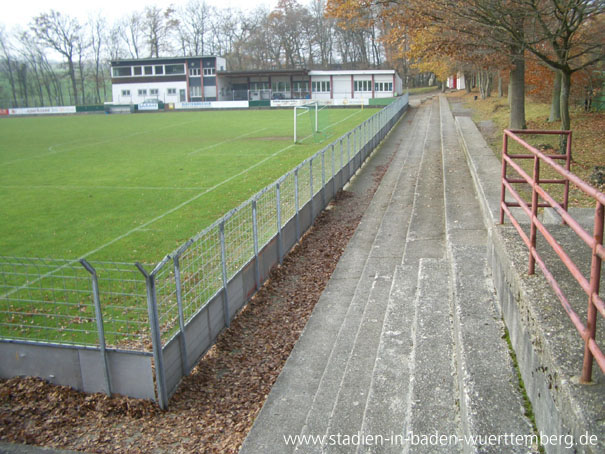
[135, 187]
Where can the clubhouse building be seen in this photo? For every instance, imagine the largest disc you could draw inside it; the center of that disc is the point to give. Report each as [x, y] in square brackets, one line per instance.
[206, 79]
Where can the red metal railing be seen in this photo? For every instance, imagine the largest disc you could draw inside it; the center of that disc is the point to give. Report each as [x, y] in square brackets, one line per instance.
[541, 198]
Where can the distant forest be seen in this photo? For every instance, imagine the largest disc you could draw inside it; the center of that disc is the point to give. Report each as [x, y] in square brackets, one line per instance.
[59, 60]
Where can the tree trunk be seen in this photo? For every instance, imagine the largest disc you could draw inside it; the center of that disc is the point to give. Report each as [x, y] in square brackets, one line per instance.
[72, 76]
[468, 80]
[500, 88]
[555, 104]
[565, 118]
[517, 90]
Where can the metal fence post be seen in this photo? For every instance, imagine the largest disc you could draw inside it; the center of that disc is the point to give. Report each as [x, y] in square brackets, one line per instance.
[255, 238]
[296, 204]
[224, 274]
[156, 338]
[311, 186]
[100, 328]
[179, 301]
[349, 156]
[323, 179]
[333, 171]
[279, 238]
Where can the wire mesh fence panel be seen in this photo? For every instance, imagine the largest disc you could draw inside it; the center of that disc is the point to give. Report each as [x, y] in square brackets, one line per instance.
[266, 215]
[166, 298]
[239, 239]
[288, 198]
[46, 300]
[123, 298]
[317, 174]
[53, 300]
[304, 184]
[200, 272]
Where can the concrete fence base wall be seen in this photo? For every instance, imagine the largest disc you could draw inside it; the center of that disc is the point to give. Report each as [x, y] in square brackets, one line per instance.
[130, 373]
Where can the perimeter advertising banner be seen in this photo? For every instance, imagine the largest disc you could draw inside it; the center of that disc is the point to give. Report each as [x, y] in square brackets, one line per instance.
[323, 102]
[212, 105]
[42, 110]
[3, 111]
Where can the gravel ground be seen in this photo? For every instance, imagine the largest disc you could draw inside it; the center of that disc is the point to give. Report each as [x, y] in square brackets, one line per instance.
[217, 403]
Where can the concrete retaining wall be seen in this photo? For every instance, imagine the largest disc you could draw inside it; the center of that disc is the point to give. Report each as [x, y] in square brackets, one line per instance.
[549, 350]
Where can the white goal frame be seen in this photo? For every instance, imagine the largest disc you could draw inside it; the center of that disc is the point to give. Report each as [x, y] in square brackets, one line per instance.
[307, 108]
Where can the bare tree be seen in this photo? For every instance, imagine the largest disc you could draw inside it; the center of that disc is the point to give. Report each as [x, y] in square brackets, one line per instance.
[132, 34]
[97, 28]
[194, 26]
[158, 25]
[7, 63]
[60, 33]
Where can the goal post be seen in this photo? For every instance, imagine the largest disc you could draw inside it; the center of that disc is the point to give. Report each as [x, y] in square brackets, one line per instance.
[302, 111]
[310, 120]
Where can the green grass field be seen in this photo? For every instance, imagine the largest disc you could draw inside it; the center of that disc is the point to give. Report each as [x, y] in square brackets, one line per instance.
[134, 187]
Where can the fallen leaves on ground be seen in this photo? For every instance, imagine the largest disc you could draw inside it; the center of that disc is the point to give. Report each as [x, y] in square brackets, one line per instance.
[215, 406]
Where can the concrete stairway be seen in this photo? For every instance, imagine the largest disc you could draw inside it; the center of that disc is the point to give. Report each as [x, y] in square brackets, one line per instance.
[405, 350]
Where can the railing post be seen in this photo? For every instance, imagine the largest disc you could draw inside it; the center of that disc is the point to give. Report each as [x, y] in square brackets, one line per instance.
[568, 168]
[296, 204]
[534, 214]
[221, 230]
[179, 301]
[255, 238]
[279, 238]
[503, 176]
[100, 328]
[595, 278]
[156, 338]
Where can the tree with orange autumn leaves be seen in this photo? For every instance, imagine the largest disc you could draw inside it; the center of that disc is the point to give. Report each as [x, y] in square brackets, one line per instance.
[565, 35]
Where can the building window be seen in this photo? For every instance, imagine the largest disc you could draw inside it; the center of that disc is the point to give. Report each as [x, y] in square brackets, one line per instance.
[195, 91]
[281, 86]
[255, 86]
[159, 69]
[171, 91]
[137, 70]
[142, 92]
[123, 71]
[194, 71]
[320, 86]
[362, 85]
[175, 69]
[149, 70]
[383, 86]
[125, 92]
[208, 71]
[153, 91]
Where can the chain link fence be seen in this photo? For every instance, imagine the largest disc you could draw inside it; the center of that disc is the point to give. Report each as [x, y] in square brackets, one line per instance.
[174, 310]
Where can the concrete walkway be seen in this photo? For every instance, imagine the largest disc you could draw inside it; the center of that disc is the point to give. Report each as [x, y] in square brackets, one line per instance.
[405, 351]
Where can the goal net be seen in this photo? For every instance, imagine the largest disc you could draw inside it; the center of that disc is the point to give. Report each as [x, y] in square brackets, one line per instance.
[311, 122]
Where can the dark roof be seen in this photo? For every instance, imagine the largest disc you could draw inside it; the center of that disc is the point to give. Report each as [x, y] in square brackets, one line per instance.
[265, 72]
[130, 61]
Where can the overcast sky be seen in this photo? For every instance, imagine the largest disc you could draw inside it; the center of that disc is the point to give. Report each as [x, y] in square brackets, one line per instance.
[20, 12]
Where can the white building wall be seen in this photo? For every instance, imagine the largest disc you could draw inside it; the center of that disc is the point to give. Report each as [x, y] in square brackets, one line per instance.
[342, 87]
[135, 98]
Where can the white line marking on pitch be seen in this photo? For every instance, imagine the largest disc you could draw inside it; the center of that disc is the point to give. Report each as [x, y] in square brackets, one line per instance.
[117, 188]
[83, 145]
[157, 218]
[224, 141]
